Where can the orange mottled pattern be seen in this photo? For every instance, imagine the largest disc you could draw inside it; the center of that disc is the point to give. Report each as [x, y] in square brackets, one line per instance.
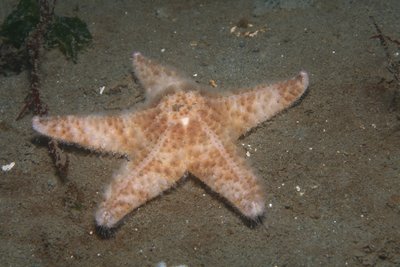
[183, 129]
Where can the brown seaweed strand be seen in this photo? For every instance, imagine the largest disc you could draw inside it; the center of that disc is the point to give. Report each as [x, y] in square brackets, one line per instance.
[33, 100]
[393, 66]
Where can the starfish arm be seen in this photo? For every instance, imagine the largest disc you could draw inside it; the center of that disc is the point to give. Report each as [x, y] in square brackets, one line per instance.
[249, 107]
[141, 180]
[119, 134]
[218, 165]
[156, 78]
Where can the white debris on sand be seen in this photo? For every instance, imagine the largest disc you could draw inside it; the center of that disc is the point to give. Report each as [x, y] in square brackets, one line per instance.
[8, 167]
[163, 264]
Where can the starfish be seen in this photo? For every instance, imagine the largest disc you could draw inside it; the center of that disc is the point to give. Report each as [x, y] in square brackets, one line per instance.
[181, 128]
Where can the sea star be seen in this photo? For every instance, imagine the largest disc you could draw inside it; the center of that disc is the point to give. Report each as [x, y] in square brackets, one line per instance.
[180, 129]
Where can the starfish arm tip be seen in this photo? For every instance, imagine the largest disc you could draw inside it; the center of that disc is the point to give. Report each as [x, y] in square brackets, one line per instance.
[253, 209]
[136, 54]
[305, 78]
[104, 232]
[38, 126]
[35, 122]
[105, 219]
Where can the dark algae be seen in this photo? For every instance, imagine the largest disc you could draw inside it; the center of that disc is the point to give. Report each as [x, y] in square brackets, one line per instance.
[69, 34]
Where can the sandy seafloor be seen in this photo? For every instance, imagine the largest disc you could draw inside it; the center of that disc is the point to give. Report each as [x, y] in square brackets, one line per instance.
[331, 164]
